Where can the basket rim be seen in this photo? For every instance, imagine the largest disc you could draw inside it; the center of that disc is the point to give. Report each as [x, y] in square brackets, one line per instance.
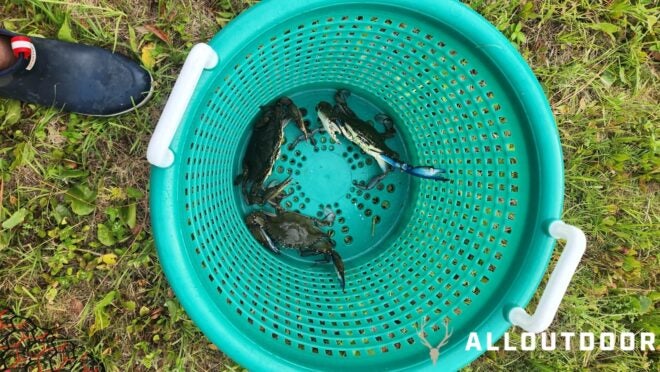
[476, 30]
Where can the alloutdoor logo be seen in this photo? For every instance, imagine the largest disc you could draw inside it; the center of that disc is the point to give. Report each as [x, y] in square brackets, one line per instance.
[583, 341]
[434, 352]
[546, 341]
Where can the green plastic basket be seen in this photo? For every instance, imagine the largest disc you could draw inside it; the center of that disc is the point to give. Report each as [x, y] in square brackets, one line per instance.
[470, 252]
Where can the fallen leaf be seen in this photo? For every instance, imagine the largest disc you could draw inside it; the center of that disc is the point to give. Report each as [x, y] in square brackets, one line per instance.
[109, 259]
[76, 307]
[148, 56]
[158, 32]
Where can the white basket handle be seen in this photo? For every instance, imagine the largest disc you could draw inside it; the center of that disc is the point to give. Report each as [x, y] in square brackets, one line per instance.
[555, 290]
[201, 57]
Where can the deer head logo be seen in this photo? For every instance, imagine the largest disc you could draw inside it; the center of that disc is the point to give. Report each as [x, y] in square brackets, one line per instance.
[434, 352]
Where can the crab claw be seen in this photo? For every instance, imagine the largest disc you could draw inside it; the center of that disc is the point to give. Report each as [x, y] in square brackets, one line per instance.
[387, 122]
[324, 112]
[339, 269]
[294, 113]
[341, 97]
[275, 192]
[255, 223]
[420, 171]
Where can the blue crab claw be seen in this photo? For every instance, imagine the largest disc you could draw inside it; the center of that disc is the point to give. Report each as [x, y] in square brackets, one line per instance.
[295, 114]
[387, 122]
[269, 241]
[421, 171]
[339, 269]
[428, 173]
[325, 113]
[255, 223]
[329, 217]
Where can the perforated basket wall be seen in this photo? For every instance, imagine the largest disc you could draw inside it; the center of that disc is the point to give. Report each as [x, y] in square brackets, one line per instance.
[462, 252]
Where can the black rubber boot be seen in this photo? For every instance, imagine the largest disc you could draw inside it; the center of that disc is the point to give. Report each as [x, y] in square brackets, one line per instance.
[73, 77]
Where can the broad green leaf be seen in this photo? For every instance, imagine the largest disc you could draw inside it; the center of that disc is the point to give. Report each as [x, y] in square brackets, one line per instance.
[101, 317]
[12, 112]
[82, 199]
[606, 27]
[129, 305]
[24, 154]
[651, 20]
[105, 236]
[645, 304]
[128, 214]
[60, 213]
[106, 300]
[15, 219]
[65, 31]
[630, 264]
[50, 294]
[132, 192]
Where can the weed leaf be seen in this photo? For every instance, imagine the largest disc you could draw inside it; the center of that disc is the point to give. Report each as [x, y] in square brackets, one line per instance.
[15, 219]
[101, 317]
[105, 236]
[82, 199]
[128, 215]
[65, 31]
[606, 27]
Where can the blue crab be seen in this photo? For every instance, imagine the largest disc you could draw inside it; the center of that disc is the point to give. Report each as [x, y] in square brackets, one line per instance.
[340, 119]
[295, 231]
[264, 148]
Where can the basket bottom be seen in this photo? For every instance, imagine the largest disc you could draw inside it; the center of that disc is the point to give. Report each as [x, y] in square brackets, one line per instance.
[325, 176]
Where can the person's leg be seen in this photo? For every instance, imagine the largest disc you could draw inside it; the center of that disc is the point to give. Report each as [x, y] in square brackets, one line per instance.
[6, 56]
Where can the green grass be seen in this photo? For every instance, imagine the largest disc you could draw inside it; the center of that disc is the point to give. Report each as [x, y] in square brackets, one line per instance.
[75, 242]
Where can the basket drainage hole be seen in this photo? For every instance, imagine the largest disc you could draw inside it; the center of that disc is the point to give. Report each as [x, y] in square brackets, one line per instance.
[348, 240]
